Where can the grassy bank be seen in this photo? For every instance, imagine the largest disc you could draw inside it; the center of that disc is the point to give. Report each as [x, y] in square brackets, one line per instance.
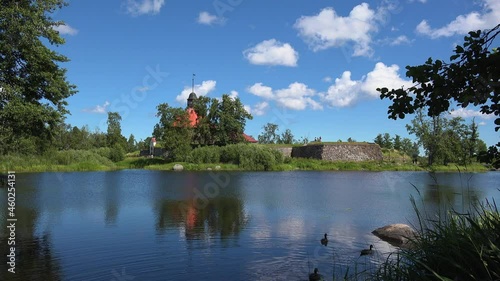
[241, 157]
[69, 160]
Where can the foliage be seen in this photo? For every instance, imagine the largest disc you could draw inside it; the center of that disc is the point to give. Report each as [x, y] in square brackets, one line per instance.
[206, 154]
[471, 77]
[270, 134]
[445, 140]
[173, 131]
[454, 247]
[33, 85]
[131, 143]
[114, 134]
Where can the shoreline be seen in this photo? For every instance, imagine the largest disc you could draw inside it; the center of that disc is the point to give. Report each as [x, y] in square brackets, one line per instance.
[290, 165]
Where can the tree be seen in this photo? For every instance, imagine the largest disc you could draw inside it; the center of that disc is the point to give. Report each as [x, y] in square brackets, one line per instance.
[397, 142]
[33, 85]
[349, 139]
[270, 134]
[286, 137]
[114, 133]
[173, 132]
[387, 141]
[471, 77]
[230, 119]
[131, 143]
[379, 140]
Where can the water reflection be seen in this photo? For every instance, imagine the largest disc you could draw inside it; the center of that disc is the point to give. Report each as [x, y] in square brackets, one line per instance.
[34, 255]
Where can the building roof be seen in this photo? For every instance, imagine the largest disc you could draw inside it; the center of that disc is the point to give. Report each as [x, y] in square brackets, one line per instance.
[249, 138]
[192, 96]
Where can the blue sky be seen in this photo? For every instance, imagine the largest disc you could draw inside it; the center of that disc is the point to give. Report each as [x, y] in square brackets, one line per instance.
[310, 66]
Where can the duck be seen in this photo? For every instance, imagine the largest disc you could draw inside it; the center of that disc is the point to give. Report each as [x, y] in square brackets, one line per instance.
[324, 241]
[367, 251]
[316, 276]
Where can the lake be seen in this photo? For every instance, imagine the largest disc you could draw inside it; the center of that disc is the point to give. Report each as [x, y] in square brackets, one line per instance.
[157, 225]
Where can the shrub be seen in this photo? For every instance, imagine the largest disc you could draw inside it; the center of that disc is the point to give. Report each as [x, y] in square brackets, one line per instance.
[117, 153]
[206, 154]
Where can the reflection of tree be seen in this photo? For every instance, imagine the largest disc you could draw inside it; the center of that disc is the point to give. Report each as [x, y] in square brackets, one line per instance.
[34, 257]
[444, 197]
[221, 216]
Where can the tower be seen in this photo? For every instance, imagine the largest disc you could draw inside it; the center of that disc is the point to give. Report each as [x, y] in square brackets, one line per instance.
[192, 97]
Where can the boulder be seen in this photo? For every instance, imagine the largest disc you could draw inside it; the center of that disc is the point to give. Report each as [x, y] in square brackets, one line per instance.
[217, 167]
[395, 234]
[178, 167]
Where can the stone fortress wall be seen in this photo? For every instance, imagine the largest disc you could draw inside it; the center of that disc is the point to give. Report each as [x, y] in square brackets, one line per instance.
[355, 152]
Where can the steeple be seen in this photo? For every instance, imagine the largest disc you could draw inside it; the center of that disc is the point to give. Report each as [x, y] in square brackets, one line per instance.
[192, 96]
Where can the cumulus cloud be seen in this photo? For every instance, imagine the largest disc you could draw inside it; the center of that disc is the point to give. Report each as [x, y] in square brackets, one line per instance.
[65, 29]
[99, 109]
[208, 19]
[467, 113]
[328, 29]
[488, 18]
[272, 52]
[202, 89]
[346, 92]
[402, 39]
[143, 7]
[327, 79]
[297, 96]
[258, 109]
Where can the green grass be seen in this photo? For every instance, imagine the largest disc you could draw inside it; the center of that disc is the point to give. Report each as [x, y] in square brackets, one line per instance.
[453, 246]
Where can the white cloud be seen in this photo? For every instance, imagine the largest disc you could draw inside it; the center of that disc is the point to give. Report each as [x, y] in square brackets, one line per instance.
[346, 92]
[402, 39]
[297, 96]
[272, 52]
[327, 79]
[261, 91]
[462, 24]
[208, 19]
[200, 90]
[100, 109]
[467, 113]
[233, 94]
[65, 29]
[421, 1]
[143, 7]
[327, 29]
[258, 109]
[482, 123]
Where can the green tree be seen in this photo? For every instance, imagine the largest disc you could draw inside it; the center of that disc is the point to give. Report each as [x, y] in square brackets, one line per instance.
[379, 140]
[387, 141]
[471, 77]
[33, 85]
[270, 134]
[230, 119]
[173, 132]
[131, 143]
[397, 142]
[351, 139]
[286, 137]
[114, 133]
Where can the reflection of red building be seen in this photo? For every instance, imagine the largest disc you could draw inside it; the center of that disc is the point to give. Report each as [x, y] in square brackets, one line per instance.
[193, 117]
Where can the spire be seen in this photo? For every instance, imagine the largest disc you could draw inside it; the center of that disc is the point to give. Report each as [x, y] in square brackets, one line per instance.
[192, 87]
[192, 96]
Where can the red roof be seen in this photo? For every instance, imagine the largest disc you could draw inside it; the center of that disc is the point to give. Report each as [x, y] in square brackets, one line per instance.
[249, 138]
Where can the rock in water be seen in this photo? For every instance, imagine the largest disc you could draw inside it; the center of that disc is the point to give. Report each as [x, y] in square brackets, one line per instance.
[396, 234]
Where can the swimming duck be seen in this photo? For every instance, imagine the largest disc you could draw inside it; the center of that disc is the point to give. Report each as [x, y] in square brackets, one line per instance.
[367, 251]
[315, 276]
[324, 241]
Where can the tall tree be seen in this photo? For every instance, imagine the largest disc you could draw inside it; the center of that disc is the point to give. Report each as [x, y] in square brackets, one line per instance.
[286, 137]
[397, 142]
[33, 85]
[114, 135]
[379, 140]
[131, 143]
[173, 131]
[270, 134]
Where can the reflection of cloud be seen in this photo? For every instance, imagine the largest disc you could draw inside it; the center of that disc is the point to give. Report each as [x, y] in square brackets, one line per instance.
[292, 228]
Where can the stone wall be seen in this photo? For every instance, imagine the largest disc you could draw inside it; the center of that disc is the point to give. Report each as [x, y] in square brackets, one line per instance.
[286, 151]
[340, 152]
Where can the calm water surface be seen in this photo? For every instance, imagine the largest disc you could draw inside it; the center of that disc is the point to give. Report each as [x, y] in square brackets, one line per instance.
[152, 225]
